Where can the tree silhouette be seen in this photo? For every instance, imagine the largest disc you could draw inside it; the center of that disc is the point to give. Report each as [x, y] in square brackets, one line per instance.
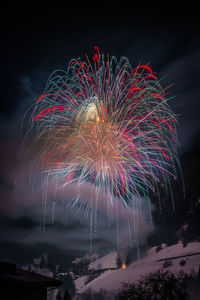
[118, 261]
[67, 296]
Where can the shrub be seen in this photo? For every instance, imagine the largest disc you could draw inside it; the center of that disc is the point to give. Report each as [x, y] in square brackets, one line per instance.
[167, 264]
[182, 262]
[155, 286]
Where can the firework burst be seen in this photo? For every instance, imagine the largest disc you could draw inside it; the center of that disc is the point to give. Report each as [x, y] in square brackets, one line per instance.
[106, 123]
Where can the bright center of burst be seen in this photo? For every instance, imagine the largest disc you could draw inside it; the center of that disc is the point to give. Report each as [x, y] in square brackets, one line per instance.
[95, 132]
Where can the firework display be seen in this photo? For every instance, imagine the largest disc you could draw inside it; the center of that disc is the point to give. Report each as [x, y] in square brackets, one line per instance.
[104, 122]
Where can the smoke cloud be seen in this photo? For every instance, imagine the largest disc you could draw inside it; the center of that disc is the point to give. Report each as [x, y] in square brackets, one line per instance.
[29, 208]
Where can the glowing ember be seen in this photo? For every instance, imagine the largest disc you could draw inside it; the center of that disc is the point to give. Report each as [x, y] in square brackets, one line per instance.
[123, 266]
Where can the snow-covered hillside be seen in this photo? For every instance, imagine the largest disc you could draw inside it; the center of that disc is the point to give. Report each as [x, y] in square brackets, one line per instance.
[178, 258]
[101, 273]
[105, 262]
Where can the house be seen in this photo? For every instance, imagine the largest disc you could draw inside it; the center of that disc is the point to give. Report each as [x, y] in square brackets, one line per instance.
[19, 284]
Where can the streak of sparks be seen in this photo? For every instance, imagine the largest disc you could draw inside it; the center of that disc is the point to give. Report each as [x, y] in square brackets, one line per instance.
[108, 124]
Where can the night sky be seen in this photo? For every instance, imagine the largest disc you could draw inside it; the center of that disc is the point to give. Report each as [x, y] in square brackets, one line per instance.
[37, 41]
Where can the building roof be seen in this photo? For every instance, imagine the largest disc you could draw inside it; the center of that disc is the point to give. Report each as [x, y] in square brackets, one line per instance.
[9, 273]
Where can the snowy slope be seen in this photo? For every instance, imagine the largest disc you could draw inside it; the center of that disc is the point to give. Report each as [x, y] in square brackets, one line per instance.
[107, 261]
[80, 282]
[112, 280]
